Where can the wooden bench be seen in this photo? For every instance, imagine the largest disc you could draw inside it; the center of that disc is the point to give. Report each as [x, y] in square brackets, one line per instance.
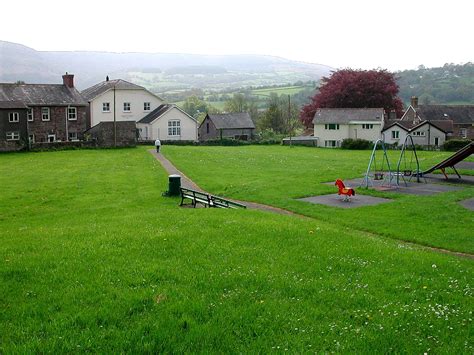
[207, 200]
[195, 197]
[220, 202]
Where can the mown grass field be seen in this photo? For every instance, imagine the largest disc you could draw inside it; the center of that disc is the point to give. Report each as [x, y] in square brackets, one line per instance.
[279, 175]
[93, 258]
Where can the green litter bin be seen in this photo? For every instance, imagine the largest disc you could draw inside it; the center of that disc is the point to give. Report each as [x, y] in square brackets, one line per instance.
[174, 184]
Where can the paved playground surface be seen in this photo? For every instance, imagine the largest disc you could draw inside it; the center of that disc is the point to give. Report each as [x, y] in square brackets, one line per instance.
[334, 200]
[469, 204]
[411, 187]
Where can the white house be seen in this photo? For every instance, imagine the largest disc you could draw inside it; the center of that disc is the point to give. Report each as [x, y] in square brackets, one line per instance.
[119, 100]
[168, 122]
[424, 133]
[333, 125]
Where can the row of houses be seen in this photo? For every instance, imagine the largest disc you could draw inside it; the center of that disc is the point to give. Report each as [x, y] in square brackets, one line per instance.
[429, 125]
[51, 113]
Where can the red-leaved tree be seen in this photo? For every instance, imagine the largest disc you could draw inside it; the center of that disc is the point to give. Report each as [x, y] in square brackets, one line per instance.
[348, 88]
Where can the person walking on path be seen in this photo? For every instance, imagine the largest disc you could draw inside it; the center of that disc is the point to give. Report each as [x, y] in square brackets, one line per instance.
[157, 145]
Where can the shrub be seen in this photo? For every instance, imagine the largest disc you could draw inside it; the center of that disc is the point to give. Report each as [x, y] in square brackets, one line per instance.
[455, 144]
[359, 144]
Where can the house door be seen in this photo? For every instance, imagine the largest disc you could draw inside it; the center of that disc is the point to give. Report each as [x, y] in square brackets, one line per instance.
[436, 141]
[51, 138]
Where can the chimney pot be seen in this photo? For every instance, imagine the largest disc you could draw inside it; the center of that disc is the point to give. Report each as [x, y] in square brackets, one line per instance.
[107, 78]
[414, 101]
[68, 80]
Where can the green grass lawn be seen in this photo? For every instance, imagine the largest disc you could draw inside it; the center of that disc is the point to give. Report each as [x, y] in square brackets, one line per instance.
[93, 258]
[278, 175]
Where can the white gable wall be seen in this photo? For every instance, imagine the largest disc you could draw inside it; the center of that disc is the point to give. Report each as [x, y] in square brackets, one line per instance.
[159, 127]
[136, 98]
[388, 135]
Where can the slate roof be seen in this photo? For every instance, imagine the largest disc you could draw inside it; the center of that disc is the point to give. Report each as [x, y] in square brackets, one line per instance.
[92, 92]
[12, 104]
[460, 114]
[346, 115]
[157, 112]
[444, 125]
[238, 120]
[41, 94]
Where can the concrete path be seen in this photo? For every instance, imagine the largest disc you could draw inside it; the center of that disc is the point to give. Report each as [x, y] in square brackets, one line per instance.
[469, 204]
[188, 183]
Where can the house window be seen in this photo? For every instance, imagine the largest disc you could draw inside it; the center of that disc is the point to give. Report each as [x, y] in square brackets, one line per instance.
[72, 136]
[463, 132]
[31, 138]
[29, 114]
[330, 144]
[367, 126]
[72, 113]
[51, 138]
[105, 106]
[395, 134]
[45, 114]
[174, 128]
[419, 134]
[126, 107]
[146, 106]
[207, 127]
[331, 126]
[13, 117]
[13, 136]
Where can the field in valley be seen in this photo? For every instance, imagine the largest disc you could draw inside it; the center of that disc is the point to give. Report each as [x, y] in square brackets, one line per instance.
[94, 258]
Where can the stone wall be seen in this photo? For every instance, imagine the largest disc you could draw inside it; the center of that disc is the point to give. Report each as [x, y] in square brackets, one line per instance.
[103, 134]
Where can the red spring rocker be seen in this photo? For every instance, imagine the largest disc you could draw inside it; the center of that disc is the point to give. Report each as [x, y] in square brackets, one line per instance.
[347, 192]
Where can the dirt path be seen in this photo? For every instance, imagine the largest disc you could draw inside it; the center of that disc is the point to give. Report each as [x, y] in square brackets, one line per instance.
[188, 183]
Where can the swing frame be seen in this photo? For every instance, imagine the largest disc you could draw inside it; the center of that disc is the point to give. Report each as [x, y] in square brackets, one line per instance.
[417, 173]
[378, 175]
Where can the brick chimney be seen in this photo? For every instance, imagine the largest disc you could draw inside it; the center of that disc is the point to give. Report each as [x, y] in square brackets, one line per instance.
[414, 101]
[68, 80]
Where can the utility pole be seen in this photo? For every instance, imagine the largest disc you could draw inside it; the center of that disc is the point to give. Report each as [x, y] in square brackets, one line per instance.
[115, 122]
[289, 118]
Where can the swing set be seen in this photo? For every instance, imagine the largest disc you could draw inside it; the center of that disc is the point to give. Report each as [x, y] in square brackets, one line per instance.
[411, 165]
[408, 168]
[375, 173]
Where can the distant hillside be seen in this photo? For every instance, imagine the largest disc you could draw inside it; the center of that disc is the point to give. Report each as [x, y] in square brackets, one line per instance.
[157, 71]
[450, 84]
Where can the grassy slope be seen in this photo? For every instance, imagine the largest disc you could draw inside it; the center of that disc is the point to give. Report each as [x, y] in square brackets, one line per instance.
[93, 258]
[279, 175]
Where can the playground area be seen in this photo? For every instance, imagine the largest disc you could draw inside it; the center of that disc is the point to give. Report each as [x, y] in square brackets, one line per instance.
[405, 177]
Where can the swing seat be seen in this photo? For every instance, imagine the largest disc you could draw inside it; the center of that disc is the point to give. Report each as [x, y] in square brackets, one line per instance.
[407, 172]
[378, 176]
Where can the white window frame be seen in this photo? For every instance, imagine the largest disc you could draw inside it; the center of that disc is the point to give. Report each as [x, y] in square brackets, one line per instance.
[367, 126]
[174, 128]
[13, 117]
[147, 106]
[127, 107]
[73, 138]
[13, 136]
[30, 115]
[331, 126]
[105, 106]
[331, 143]
[72, 113]
[395, 134]
[45, 112]
[419, 133]
[51, 136]
[463, 132]
[31, 138]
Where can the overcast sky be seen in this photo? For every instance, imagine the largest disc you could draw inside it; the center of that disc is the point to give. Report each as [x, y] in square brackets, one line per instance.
[341, 33]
